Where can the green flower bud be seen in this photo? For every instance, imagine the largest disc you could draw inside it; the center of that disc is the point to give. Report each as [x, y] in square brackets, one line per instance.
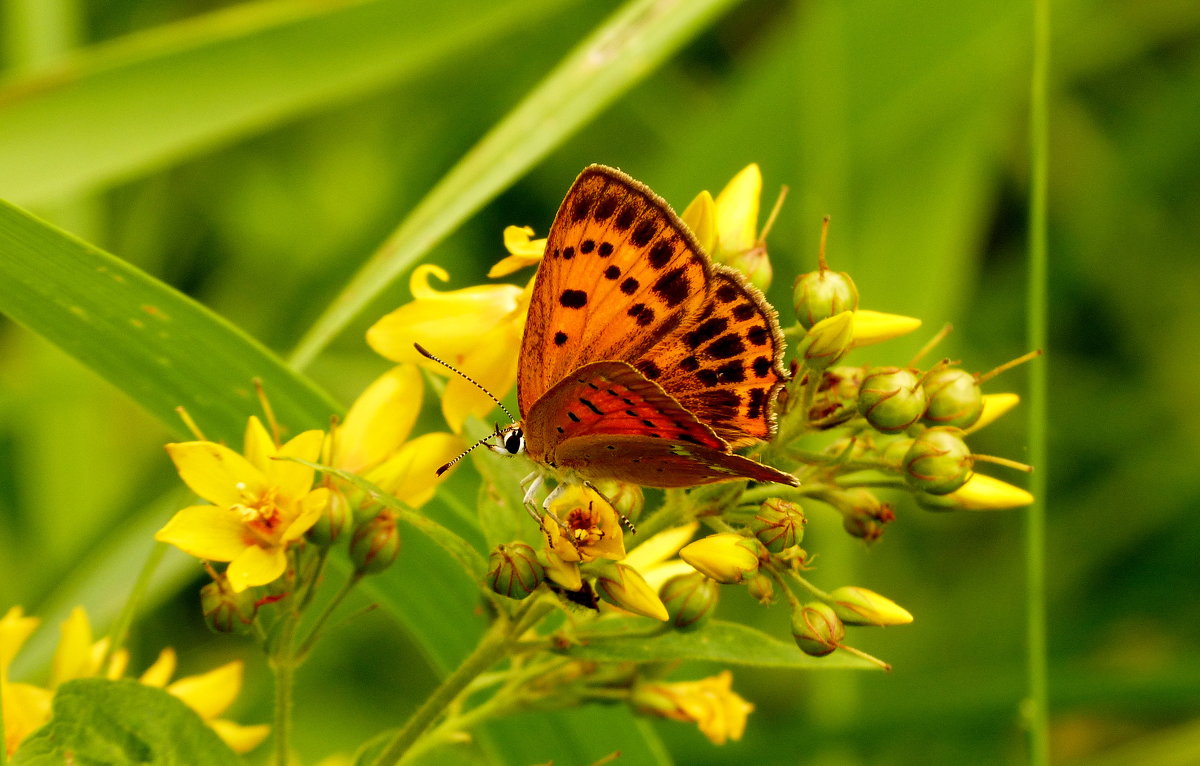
[859, 606]
[953, 398]
[514, 570]
[891, 399]
[754, 263]
[334, 521]
[761, 587]
[817, 629]
[821, 294]
[836, 400]
[863, 515]
[827, 341]
[621, 585]
[726, 557]
[690, 599]
[778, 524]
[226, 611]
[938, 461]
[375, 543]
[626, 498]
[894, 451]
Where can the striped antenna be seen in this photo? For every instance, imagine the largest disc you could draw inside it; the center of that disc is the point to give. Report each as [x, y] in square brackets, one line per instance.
[466, 452]
[466, 377]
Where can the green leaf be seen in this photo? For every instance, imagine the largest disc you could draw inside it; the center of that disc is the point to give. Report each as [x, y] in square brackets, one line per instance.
[97, 721]
[726, 642]
[156, 344]
[619, 53]
[158, 96]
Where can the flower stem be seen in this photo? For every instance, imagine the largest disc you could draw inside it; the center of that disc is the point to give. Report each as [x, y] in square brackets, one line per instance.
[330, 608]
[284, 666]
[492, 647]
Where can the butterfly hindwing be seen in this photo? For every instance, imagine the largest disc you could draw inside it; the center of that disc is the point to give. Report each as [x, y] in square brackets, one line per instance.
[607, 399]
[620, 272]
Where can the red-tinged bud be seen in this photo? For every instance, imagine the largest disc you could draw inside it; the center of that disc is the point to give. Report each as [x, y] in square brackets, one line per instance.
[334, 520]
[817, 629]
[821, 294]
[226, 611]
[827, 341]
[891, 399]
[836, 400]
[863, 515]
[938, 462]
[375, 543]
[779, 524]
[859, 606]
[514, 570]
[761, 587]
[953, 398]
[690, 599]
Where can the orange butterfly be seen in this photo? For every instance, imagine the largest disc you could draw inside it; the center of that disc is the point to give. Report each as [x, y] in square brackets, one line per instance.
[642, 360]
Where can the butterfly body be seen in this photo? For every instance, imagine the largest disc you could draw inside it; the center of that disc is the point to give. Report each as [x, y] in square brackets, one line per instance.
[641, 359]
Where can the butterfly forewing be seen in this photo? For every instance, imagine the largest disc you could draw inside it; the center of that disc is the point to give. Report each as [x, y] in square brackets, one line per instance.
[620, 272]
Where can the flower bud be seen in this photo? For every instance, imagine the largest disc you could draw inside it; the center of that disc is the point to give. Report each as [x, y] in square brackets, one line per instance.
[626, 498]
[980, 493]
[754, 263]
[863, 515]
[836, 400]
[827, 341]
[334, 520]
[514, 570]
[375, 543]
[226, 611]
[726, 557]
[938, 461]
[859, 606]
[778, 524]
[891, 399]
[690, 600]
[872, 327]
[817, 629]
[821, 294]
[952, 398]
[761, 587]
[894, 451]
[994, 406]
[621, 585]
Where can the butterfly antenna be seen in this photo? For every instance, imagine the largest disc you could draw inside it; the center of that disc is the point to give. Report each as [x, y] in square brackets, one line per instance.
[465, 452]
[421, 350]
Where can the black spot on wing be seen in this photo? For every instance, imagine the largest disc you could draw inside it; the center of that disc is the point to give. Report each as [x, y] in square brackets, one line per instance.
[726, 346]
[587, 246]
[644, 232]
[605, 209]
[560, 338]
[758, 335]
[673, 287]
[762, 366]
[612, 272]
[708, 329]
[573, 299]
[630, 286]
[660, 254]
[606, 249]
[625, 217]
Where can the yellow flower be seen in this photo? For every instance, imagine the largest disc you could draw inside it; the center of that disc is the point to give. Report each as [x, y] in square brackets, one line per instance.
[859, 606]
[726, 557]
[656, 559]
[710, 703]
[983, 493]
[372, 441]
[476, 329]
[523, 251]
[260, 506]
[727, 227]
[210, 694]
[621, 585]
[994, 406]
[26, 707]
[590, 528]
[876, 327]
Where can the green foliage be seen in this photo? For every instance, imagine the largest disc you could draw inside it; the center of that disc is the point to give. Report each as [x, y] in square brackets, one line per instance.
[96, 721]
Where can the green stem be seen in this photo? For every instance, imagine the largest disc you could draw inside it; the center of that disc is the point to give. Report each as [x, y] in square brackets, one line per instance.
[284, 666]
[492, 647]
[1035, 707]
[120, 628]
[307, 645]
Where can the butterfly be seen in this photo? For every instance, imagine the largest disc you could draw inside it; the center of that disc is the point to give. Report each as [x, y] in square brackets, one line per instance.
[641, 360]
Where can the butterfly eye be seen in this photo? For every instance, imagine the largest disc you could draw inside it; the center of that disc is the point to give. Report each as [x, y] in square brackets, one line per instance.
[515, 442]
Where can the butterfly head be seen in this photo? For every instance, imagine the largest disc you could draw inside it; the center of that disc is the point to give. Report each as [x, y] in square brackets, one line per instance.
[509, 440]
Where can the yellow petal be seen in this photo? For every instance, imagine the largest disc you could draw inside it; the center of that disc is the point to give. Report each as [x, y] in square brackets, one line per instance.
[206, 532]
[293, 479]
[565, 573]
[256, 566]
[876, 327]
[737, 211]
[160, 672]
[411, 473]
[446, 323]
[118, 661]
[311, 507]
[26, 709]
[524, 251]
[211, 693]
[494, 364]
[657, 574]
[701, 218]
[629, 590]
[983, 493]
[241, 739]
[379, 420]
[73, 657]
[661, 547]
[217, 473]
[15, 628]
[258, 446]
[994, 406]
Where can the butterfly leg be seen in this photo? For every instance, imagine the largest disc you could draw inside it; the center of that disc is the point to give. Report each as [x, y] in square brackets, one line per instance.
[625, 520]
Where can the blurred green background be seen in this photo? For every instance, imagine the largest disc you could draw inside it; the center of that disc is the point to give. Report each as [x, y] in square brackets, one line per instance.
[254, 154]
